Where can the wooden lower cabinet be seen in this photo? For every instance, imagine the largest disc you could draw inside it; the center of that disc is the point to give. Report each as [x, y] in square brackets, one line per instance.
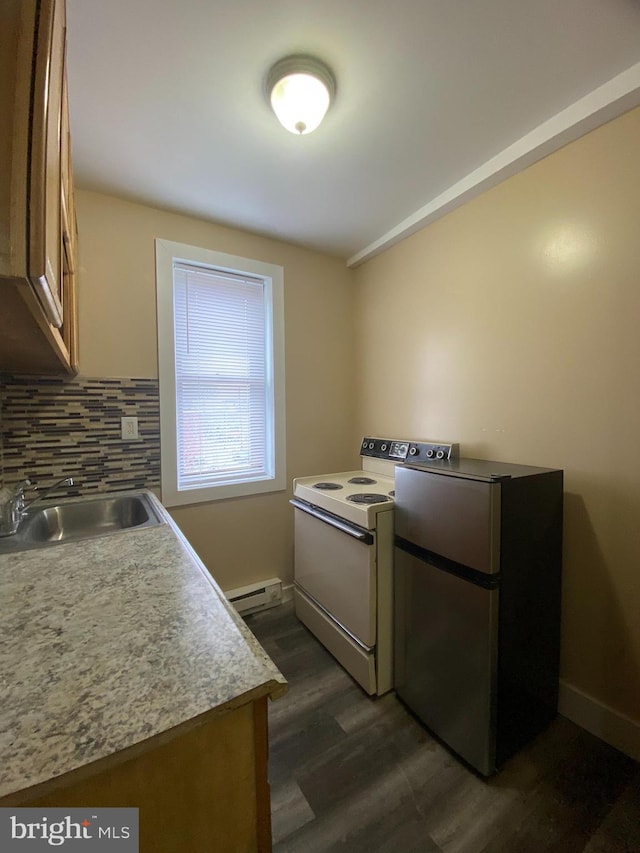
[204, 790]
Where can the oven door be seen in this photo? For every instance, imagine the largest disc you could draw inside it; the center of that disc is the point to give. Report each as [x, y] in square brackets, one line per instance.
[335, 565]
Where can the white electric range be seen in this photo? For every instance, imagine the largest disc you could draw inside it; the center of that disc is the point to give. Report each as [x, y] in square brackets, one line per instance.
[343, 574]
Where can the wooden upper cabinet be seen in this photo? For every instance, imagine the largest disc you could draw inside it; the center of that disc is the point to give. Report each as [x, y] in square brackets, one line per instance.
[38, 327]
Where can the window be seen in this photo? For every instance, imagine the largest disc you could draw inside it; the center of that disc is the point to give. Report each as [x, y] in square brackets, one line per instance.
[221, 364]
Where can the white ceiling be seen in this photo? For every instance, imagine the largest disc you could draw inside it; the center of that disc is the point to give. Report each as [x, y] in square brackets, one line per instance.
[167, 105]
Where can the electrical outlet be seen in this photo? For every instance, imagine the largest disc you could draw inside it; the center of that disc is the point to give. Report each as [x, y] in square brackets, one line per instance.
[129, 428]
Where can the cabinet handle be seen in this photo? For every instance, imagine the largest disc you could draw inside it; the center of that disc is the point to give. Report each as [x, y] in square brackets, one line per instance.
[49, 301]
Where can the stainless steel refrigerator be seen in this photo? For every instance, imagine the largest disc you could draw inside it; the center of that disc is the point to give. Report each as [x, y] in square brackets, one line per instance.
[478, 555]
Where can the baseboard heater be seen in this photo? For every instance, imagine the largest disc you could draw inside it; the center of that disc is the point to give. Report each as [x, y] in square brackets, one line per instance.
[256, 596]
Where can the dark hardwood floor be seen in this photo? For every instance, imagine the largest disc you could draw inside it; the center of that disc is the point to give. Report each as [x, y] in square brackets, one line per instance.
[351, 773]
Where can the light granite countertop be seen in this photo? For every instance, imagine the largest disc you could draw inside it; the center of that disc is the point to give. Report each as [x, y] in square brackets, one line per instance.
[110, 641]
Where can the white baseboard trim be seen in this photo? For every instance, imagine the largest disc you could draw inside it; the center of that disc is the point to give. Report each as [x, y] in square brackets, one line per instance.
[606, 723]
[287, 592]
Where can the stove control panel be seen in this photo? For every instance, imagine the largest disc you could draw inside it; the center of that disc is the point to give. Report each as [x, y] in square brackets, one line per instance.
[429, 451]
[400, 450]
[380, 448]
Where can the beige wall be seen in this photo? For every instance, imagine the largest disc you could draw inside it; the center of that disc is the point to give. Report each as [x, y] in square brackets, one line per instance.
[246, 539]
[512, 325]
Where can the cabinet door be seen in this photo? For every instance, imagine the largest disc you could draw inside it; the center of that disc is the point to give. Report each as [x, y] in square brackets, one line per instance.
[17, 28]
[69, 236]
[44, 208]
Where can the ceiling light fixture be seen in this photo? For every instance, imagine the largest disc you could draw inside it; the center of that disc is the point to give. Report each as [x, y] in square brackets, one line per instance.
[300, 89]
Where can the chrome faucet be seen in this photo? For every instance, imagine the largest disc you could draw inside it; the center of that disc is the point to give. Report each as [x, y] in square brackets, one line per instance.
[13, 509]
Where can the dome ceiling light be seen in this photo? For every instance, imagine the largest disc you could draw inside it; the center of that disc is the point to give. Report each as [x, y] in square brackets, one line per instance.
[300, 89]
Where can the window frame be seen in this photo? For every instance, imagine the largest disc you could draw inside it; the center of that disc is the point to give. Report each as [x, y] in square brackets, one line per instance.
[168, 253]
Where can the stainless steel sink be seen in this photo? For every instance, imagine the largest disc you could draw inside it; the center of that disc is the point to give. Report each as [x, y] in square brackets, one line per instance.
[81, 518]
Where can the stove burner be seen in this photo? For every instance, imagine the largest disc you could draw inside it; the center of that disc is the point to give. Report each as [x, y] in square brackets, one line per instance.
[327, 487]
[363, 481]
[367, 498]
[392, 493]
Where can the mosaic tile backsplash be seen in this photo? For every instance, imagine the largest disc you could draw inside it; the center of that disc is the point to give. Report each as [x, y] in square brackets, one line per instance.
[52, 428]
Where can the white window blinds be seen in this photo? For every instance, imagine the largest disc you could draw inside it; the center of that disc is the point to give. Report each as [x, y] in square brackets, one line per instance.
[223, 374]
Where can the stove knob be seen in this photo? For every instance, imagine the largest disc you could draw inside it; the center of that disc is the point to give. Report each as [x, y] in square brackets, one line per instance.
[384, 447]
[430, 453]
[413, 451]
[440, 454]
[371, 445]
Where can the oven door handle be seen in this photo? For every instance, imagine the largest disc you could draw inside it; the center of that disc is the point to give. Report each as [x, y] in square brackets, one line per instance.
[345, 527]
